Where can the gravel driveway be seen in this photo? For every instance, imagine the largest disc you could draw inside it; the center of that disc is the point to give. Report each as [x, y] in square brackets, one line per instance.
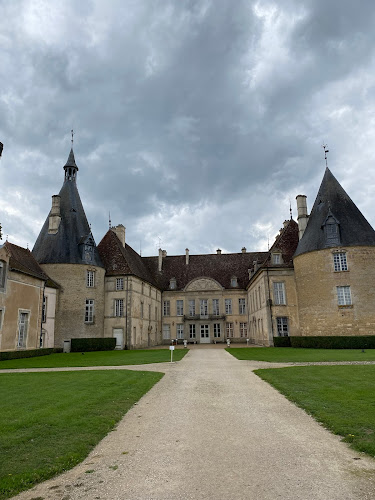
[211, 429]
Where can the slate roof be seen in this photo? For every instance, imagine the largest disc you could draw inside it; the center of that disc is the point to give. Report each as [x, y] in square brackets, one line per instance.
[22, 260]
[286, 242]
[354, 228]
[65, 246]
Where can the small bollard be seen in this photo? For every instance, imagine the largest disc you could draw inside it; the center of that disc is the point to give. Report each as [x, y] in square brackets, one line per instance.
[228, 342]
[185, 344]
[247, 342]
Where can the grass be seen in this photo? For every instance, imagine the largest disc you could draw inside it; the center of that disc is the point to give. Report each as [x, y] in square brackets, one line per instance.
[340, 397]
[97, 358]
[293, 354]
[49, 422]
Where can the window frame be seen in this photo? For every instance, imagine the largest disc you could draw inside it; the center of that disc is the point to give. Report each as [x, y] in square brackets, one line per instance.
[192, 331]
[216, 307]
[180, 331]
[279, 295]
[166, 307]
[44, 309]
[217, 330]
[89, 311]
[344, 299]
[119, 308]
[191, 307]
[241, 305]
[243, 329]
[228, 306]
[340, 262]
[119, 284]
[26, 325]
[90, 278]
[179, 307]
[203, 308]
[282, 326]
[229, 330]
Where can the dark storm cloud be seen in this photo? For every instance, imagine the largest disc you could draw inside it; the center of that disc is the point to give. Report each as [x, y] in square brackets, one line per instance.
[195, 122]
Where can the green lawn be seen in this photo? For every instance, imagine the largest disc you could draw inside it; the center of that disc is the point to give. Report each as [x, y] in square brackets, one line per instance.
[292, 354]
[97, 358]
[340, 397]
[49, 422]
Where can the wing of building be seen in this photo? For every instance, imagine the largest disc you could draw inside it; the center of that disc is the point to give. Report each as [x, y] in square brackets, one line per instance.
[316, 279]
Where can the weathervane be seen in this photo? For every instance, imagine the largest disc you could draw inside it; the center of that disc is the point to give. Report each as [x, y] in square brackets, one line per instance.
[110, 223]
[72, 137]
[290, 210]
[324, 146]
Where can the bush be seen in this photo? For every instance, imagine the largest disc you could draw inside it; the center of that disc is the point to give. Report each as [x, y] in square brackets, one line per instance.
[335, 342]
[30, 353]
[87, 345]
[281, 342]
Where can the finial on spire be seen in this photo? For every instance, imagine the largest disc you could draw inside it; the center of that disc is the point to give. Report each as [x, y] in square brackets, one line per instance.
[290, 210]
[72, 140]
[109, 220]
[324, 146]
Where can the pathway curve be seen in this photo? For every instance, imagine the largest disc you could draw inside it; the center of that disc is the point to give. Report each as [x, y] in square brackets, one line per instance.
[211, 429]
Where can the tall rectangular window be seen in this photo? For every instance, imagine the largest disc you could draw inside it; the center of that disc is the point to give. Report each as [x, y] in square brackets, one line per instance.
[89, 311]
[166, 332]
[90, 278]
[228, 306]
[191, 307]
[339, 261]
[282, 326]
[229, 330]
[142, 312]
[243, 330]
[149, 311]
[180, 331]
[180, 307]
[2, 273]
[204, 308]
[192, 331]
[119, 307]
[344, 297]
[166, 308]
[44, 309]
[241, 306]
[217, 330]
[23, 325]
[279, 293]
[1, 318]
[215, 307]
[119, 283]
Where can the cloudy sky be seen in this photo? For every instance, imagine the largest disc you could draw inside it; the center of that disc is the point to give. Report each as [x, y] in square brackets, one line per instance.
[196, 121]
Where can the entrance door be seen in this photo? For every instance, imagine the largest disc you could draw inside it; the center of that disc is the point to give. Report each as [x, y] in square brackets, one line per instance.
[118, 334]
[205, 334]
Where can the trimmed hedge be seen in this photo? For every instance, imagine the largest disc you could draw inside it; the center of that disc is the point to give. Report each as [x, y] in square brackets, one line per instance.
[87, 345]
[328, 342]
[281, 342]
[30, 353]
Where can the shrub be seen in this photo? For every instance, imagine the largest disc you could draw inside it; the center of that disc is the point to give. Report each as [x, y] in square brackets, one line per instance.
[30, 353]
[281, 342]
[335, 342]
[86, 345]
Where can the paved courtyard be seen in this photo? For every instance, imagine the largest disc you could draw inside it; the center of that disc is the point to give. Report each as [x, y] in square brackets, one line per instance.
[211, 429]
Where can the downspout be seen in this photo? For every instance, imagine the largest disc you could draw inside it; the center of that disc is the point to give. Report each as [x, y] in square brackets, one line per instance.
[126, 315]
[41, 318]
[270, 305]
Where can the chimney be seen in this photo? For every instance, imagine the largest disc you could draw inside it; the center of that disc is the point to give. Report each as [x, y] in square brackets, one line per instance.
[243, 249]
[54, 215]
[187, 256]
[120, 233]
[160, 260]
[303, 217]
[164, 253]
[255, 264]
[218, 251]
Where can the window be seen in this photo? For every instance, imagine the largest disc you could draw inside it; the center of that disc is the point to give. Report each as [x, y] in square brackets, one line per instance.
[44, 309]
[142, 310]
[143, 288]
[23, 325]
[180, 331]
[276, 258]
[180, 307]
[149, 311]
[2, 273]
[172, 284]
[204, 307]
[243, 330]
[90, 278]
[191, 307]
[166, 332]
[156, 313]
[233, 281]
[228, 306]
[192, 331]
[1, 318]
[229, 330]
[215, 307]
[344, 297]
[282, 326]
[119, 307]
[119, 283]
[339, 261]
[217, 330]
[89, 311]
[241, 306]
[166, 308]
[279, 293]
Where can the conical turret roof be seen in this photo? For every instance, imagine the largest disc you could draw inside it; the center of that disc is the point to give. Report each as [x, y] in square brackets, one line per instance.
[71, 162]
[333, 201]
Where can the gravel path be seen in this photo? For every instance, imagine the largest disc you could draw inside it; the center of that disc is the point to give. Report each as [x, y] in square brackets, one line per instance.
[211, 429]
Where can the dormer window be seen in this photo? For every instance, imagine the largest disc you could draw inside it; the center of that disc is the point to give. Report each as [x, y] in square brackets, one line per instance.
[172, 284]
[233, 281]
[276, 258]
[331, 230]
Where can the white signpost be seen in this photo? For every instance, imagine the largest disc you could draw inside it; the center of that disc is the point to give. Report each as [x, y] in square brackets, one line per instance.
[171, 348]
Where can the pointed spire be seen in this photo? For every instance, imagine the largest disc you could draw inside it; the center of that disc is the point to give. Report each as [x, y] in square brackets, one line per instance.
[71, 162]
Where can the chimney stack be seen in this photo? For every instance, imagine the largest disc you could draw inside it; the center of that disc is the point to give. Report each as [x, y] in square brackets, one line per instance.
[187, 256]
[218, 251]
[243, 249]
[285, 223]
[160, 260]
[303, 217]
[120, 233]
[54, 215]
